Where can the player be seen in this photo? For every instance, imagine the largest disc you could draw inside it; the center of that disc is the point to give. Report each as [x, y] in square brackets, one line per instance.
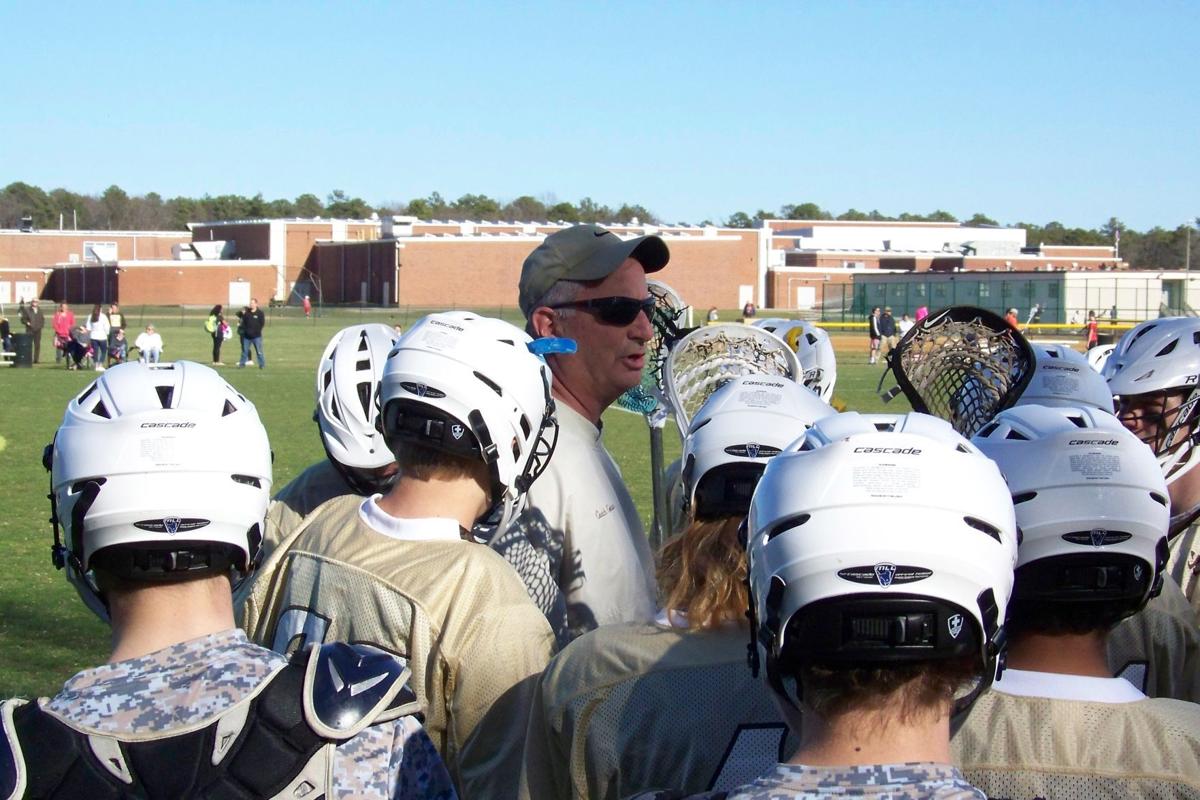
[357, 460]
[1155, 373]
[466, 410]
[877, 602]
[160, 476]
[1091, 504]
[626, 697]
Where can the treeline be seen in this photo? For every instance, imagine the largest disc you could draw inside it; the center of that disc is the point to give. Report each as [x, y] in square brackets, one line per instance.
[114, 209]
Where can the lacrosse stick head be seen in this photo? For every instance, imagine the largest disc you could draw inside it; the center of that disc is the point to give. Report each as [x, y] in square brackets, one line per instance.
[667, 319]
[964, 365]
[709, 357]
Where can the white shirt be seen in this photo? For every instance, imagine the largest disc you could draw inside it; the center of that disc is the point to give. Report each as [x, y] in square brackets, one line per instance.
[98, 330]
[148, 341]
[1056, 686]
[409, 530]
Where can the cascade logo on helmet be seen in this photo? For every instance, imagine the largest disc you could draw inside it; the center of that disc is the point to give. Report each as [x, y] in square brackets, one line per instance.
[752, 450]
[168, 425]
[884, 574]
[1060, 367]
[442, 324]
[954, 625]
[1107, 442]
[771, 384]
[891, 451]
[171, 525]
[457, 430]
[421, 390]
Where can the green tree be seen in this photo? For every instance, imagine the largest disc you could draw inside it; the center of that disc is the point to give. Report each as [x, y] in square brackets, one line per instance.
[341, 206]
[476, 207]
[628, 213]
[525, 209]
[563, 211]
[308, 205]
[804, 211]
[739, 219]
[19, 200]
[854, 214]
[114, 205]
[978, 220]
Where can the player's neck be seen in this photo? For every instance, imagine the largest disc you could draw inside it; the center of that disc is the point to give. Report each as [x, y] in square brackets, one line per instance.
[1066, 654]
[1185, 497]
[461, 499]
[148, 619]
[873, 737]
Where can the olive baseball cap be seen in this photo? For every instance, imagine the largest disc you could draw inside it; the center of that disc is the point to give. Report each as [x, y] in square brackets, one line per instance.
[584, 253]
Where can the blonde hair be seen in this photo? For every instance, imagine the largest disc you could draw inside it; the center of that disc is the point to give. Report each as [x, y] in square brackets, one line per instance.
[702, 573]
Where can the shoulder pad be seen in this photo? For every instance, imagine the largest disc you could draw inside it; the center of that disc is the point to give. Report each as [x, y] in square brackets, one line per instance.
[12, 761]
[348, 687]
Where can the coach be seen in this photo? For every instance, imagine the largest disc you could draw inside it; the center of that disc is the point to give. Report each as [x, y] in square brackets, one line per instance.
[586, 283]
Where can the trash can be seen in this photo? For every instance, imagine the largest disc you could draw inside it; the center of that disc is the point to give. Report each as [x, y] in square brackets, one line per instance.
[23, 347]
[1106, 338]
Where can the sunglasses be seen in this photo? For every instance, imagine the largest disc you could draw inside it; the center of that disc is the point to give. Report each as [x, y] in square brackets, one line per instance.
[613, 310]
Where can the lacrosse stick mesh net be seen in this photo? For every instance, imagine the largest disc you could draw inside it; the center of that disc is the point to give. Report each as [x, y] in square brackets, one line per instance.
[708, 358]
[965, 366]
[668, 315]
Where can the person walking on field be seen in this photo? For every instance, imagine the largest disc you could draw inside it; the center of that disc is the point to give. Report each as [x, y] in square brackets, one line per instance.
[874, 334]
[252, 322]
[1093, 330]
[307, 307]
[98, 328]
[34, 321]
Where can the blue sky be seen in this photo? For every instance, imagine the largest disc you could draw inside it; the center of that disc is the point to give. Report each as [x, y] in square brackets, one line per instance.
[1026, 111]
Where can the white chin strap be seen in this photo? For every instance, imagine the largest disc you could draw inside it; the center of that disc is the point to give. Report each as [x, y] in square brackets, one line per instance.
[1178, 462]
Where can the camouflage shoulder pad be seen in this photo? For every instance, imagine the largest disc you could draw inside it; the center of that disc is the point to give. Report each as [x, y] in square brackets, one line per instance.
[348, 687]
[12, 760]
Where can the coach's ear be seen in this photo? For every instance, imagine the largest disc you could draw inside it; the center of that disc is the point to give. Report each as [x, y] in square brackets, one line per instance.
[544, 322]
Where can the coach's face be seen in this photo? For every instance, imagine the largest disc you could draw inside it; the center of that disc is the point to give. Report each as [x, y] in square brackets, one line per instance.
[610, 357]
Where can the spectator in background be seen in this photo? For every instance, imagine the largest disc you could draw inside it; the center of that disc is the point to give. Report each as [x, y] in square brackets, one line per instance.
[78, 346]
[713, 315]
[150, 344]
[98, 328]
[873, 335]
[307, 307]
[118, 348]
[216, 327]
[887, 330]
[1093, 330]
[34, 321]
[5, 334]
[749, 311]
[904, 325]
[64, 323]
[252, 322]
[1010, 317]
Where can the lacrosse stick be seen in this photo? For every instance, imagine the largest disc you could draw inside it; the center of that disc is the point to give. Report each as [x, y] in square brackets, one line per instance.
[962, 364]
[646, 398]
[708, 357]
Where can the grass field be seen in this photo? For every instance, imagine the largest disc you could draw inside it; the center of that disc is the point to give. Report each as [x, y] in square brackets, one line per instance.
[46, 634]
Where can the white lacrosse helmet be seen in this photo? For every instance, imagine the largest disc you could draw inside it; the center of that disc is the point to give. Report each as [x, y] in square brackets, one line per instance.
[813, 348]
[880, 539]
[1062, 377]
[469, 385]
[741, 426]
[158, 472]
[1162, 356]
[347, 412]
[1098, 356]
[1091, 505]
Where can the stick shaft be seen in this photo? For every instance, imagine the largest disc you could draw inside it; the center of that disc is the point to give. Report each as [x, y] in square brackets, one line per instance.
[657, 488]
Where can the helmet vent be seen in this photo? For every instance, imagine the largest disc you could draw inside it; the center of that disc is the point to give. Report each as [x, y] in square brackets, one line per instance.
[228, 409]
[1077, 420]
[1195, 337]
[90, 390]
[333, 409]
[980, 525]
[987, 429]
[494, 386]
[362, 342]
[1023, 497]
[1016, 435]
[363, 365]
[1158, 498]
[364, 398]
[101, 411]
[811, 339]
[1169, 347]
[887, 427]
[249, 480]
[328, 380]
[787, 525]
[165, 393]
[78, 485]
[962, 448]
[526, 428]
[1142, 333]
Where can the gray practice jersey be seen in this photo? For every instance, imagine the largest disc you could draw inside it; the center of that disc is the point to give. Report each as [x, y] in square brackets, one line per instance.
[1158, 648]
[191, 684]
[918, 781]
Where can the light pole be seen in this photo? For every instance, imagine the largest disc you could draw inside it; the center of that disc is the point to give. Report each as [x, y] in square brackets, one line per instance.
[1187, 258]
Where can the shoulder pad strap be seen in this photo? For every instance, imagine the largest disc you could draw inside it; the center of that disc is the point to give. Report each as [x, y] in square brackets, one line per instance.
[12, 760]
[348, 687]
